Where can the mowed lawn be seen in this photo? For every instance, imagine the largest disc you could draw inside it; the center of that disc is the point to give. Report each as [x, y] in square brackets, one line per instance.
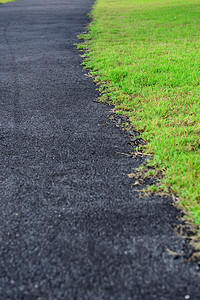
[5, 1]
[145, 56]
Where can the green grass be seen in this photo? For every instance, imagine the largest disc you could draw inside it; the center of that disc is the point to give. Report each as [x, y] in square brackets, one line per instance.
[5, 1]
[145, 56]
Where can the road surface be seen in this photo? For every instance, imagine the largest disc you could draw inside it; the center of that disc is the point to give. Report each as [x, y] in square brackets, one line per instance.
[71, 226]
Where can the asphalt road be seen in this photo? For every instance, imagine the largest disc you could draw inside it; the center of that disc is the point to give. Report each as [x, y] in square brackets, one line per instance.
[71, 226]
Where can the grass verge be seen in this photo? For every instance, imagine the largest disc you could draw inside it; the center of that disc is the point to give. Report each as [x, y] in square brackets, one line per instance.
[145, 56]
[5, 1]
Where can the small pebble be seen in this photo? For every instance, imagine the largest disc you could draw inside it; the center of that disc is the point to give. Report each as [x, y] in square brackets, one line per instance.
[132, 133]
[187, 297]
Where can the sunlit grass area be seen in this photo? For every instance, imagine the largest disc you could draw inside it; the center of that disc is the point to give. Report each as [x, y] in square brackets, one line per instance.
[145, 56]
[5, 1]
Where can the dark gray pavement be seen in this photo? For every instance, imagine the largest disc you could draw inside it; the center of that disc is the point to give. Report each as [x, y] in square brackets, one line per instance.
[71, 227]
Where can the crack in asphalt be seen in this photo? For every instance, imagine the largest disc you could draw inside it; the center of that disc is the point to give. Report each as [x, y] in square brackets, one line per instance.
[71, 226]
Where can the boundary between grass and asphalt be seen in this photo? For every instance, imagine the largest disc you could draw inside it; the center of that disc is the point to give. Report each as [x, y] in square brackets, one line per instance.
[145, 58]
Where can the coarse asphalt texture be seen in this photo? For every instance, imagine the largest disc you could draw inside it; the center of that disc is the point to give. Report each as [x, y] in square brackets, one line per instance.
[71, 226]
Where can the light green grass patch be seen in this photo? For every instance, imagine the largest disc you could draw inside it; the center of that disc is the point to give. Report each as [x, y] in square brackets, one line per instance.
[6, 1]
[145, 55]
